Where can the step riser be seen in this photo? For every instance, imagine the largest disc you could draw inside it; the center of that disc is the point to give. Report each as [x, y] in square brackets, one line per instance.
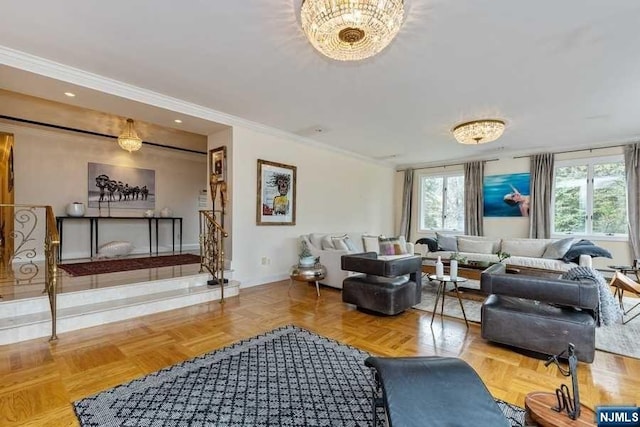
[201, 294]
[78, 298]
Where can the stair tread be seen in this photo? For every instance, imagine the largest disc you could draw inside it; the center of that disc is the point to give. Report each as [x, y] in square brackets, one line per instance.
[10, 322]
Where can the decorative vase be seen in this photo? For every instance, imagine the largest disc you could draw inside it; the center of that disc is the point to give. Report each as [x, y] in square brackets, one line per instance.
[439, 268]
[75, 209]
[166, 213]
[453, 269]
[149, 213]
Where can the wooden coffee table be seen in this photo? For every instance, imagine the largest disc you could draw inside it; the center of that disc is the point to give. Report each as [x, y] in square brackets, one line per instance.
[538, 412]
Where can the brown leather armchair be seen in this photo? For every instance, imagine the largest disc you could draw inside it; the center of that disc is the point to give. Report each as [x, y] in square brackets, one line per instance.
[539, 314]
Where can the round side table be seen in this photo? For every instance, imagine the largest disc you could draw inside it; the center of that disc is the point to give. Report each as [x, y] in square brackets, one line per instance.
[539, 413]
[307, 274]
[442, 284]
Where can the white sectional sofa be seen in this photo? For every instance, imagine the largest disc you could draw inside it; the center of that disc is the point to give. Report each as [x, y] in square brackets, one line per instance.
[538, 253]
[331, 246]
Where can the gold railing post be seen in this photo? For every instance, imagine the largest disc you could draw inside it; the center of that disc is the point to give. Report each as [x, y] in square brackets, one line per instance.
[52, 242]
[212, 237]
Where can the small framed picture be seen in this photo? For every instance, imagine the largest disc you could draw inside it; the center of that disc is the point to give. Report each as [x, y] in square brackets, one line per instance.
[276, 198]
[218, 163]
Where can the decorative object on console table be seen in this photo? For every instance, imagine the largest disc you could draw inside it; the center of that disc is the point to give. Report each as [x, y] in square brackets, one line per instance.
[276, 198]
[75, 209]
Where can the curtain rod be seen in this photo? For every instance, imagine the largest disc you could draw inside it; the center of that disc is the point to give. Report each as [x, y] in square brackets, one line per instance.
[447, 165]
[578, 150]
[88, 132]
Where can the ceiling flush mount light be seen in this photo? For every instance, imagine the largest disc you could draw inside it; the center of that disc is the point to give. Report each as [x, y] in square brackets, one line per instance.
[178, 121]
[70, 94]
[350, 30]
[129, 139]
[478, 131]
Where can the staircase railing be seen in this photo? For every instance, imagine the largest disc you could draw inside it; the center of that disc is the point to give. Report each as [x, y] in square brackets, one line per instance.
[51, 245]
[212, 237]
[20, 237]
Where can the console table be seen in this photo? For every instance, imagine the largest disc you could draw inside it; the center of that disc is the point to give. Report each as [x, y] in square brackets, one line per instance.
[94, 229]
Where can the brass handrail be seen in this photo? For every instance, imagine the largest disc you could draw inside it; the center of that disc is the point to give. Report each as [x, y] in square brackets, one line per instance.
[212, 237]
[51, 244]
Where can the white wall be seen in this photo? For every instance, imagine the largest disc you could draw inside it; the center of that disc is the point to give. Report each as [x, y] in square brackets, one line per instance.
[518, 226]
[51, 169]
[335, 193]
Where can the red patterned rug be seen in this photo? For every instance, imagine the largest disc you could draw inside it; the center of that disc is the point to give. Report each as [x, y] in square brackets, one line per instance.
[127, 264]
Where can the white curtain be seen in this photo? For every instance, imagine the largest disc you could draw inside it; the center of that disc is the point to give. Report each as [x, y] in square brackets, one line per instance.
[542, 170]
[407, 195]
[473, 198]
[632, 169]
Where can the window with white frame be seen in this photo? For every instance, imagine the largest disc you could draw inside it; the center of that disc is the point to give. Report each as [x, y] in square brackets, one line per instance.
[590, 197]
[442, 201]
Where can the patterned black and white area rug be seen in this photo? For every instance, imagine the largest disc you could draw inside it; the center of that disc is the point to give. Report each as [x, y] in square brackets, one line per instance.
[286, 377]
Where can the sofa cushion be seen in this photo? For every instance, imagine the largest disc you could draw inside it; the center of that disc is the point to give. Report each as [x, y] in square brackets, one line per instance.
[447, 242]
[495, 241]
[392, 245]
[474, 246]
[525, 247]
[557, 249]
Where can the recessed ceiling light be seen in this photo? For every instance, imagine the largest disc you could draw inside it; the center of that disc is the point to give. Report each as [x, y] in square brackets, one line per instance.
[178, 121]
[70, 94]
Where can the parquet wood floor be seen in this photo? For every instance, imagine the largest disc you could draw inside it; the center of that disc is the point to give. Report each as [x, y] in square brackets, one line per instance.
[39, 380]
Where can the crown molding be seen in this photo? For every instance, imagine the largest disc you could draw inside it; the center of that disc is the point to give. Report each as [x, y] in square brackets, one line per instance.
[55, 70]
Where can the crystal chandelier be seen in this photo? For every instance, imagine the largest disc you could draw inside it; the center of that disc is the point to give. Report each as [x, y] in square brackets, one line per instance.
[350, 30]
[129, 139]
[478, 131]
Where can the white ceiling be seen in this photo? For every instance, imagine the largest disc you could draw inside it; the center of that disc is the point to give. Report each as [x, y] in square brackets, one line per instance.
[563, 74]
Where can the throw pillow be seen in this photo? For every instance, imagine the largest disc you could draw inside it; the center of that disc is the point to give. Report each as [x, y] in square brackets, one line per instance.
[393, 245]
[447, 243]
[474, 246]
[432, 244]
[343, 242]
[327, 243]
[114, 249]
[573, 254]
[557, 249]
[370, 243]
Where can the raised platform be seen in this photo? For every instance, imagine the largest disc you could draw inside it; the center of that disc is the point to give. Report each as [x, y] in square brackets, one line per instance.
[94, 300]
